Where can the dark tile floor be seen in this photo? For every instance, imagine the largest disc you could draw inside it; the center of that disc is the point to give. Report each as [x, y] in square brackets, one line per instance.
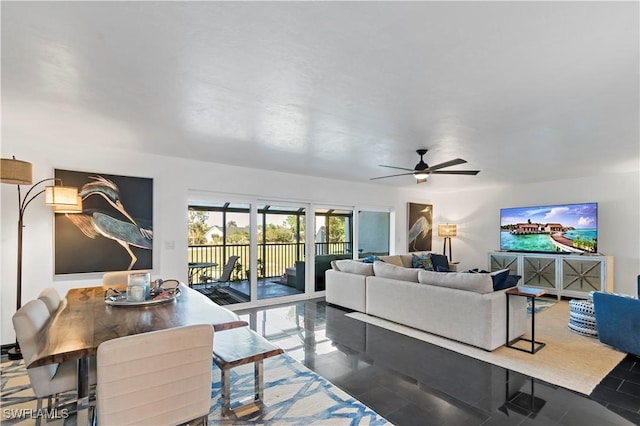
[411, 382]
[239, 291]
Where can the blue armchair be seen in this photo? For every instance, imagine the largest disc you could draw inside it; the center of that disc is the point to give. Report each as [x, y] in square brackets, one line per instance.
[618, 321]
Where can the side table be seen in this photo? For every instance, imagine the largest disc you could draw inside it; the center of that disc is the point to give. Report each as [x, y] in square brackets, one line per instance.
[530, 293]
[240, 346]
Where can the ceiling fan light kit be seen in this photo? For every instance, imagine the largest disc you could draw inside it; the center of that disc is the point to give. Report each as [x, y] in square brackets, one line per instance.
[422, 170]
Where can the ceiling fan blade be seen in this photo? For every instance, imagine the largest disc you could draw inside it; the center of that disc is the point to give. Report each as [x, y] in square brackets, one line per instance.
[454, 162]
[394, 167]
[384, 177]
[455, 172]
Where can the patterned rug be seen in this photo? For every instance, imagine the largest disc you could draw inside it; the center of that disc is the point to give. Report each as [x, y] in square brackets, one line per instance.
[541, 305]
[293, 395]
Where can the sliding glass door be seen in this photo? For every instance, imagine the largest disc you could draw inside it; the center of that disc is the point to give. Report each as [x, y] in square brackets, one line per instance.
[333, 241]
[280, 250]
[248, 251]
[219, 251]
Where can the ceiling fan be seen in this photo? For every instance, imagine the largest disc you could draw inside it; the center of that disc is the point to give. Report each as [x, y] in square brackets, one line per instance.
[422, 170]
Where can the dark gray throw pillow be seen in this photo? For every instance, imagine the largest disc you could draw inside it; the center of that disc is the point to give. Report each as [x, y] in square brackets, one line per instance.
[499, 278]
[440, 262]
[511, 281]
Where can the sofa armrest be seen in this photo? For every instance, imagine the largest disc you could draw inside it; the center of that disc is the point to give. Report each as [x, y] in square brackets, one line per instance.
[345, 289]
[618, 321]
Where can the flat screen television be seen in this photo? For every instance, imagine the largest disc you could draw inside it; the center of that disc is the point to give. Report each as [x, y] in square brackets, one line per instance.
[559, 228]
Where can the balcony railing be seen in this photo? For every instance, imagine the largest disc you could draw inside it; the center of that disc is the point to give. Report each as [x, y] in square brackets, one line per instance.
[273, 258]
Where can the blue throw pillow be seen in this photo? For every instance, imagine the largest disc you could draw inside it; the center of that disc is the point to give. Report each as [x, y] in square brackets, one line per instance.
[370, 259]
[441, 269]
[423, 261]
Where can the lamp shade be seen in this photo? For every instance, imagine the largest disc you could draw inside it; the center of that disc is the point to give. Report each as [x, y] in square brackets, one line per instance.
[15, 171]
[76, 208]
[59, 195]
[447, 230]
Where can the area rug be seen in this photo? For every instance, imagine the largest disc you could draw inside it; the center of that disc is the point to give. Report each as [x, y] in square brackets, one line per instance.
[293, 395]
[569, 360]
[541, 305]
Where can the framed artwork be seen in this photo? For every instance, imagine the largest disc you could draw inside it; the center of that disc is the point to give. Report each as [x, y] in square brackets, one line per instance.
[420, 227]
[114, 232]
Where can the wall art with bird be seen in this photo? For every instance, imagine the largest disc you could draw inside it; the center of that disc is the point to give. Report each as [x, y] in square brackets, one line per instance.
[109, 220]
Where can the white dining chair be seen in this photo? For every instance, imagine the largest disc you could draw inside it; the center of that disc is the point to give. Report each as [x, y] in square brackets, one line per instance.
[51, 299]
[159, 377]
[48, 380]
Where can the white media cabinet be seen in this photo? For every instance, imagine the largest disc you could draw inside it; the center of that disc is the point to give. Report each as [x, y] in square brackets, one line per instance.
[562, 275]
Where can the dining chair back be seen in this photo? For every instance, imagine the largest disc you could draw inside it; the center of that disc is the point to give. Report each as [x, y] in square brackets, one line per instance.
[166, 375]
[51, 299]
[47, 380]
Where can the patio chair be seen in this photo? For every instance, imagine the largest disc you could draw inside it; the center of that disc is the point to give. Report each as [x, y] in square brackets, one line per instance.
[227, 270]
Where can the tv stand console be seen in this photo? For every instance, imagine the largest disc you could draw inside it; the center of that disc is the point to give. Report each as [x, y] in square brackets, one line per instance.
[560, 274]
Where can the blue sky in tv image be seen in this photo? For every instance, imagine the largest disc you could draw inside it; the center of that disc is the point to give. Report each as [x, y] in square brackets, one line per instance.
[553, 228]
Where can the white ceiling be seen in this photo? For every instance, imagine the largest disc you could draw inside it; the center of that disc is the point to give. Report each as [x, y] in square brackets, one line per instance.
[525, 91]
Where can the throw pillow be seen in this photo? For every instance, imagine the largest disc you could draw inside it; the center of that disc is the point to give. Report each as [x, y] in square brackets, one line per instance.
[423, 261]
[371, 259]
[440, 262]
[499, 278]
[393, 259]
[387, 270]
[511, 281]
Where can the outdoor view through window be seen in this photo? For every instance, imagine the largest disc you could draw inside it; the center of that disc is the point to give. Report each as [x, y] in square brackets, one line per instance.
[220, 241]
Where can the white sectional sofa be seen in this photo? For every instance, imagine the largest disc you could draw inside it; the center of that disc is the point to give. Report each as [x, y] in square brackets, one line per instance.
[458, 306]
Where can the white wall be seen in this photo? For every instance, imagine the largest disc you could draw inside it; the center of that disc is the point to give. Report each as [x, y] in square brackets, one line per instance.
[477, 215]
[475, 212]
[173, 178]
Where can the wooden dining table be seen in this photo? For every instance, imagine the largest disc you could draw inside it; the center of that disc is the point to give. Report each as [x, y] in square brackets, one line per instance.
[85, 320]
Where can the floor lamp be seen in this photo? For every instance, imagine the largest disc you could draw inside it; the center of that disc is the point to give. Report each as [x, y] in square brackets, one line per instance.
[447, 231]
[64, 199]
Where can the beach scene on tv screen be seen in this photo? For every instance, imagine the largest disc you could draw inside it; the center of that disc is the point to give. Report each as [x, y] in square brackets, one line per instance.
[565, 228]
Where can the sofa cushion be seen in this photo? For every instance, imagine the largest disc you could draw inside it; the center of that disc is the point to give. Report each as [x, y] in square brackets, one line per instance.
[387, 270]
[406, 260]
[392, 259]
[423, 261]
[479, 283]
[355, 267]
